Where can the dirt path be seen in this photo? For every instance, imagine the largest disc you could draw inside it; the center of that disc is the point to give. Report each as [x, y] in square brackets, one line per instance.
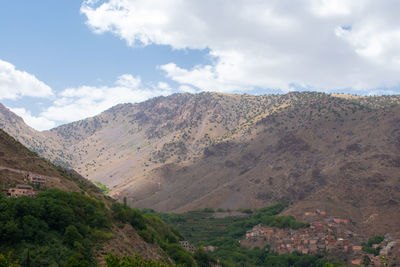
[27, 172]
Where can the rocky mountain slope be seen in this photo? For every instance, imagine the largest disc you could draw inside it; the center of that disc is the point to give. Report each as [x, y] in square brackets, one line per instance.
[186, 151]
[43, 144]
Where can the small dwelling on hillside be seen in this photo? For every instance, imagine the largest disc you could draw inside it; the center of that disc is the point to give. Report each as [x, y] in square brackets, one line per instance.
[36, 179]
[21, 190]
[209, 248]
[186, 245]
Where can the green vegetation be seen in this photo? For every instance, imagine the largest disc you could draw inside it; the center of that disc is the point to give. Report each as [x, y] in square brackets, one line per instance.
[153, 230]
[53, 228]
[208, 210]
[285, 222]
[203, 259]
[248, 211]
[201, 228]
[135, 261]
[236, 256]
[102, 187]
[8, 261]
[60, 228]
[198, 227]
[368, 247]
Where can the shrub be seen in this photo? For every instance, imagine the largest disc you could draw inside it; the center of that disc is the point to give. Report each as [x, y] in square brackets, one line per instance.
[210, 210]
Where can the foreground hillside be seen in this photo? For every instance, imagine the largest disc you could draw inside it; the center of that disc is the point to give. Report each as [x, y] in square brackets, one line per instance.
[333, 152]
[68, 222]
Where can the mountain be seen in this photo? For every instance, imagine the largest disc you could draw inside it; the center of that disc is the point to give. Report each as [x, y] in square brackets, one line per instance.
[43, 144]
[67, 221]
[184, 152]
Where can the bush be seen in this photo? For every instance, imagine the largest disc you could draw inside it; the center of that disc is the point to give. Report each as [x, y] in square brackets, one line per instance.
[210, 210]
[72, 235]
[51, 227]
[135, 261]
[248, 211]
[8, 261]
[368, 247]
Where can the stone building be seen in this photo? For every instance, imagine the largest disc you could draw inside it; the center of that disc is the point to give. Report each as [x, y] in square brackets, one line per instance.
[186, 245]
[21, 190]
[36, 179]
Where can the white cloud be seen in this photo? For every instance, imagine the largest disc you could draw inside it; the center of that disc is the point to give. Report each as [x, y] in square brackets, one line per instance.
[78, 103]
[334, 7]
[15, 83]
[38, 123]
[187, 89]
[74, 104]
[320, 44]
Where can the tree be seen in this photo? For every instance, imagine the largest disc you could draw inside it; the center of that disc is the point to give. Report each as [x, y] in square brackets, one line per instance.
[7, 261]
[203, 259]
[71, 235]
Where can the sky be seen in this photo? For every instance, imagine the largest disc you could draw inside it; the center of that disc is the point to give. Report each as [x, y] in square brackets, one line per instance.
[62, 61]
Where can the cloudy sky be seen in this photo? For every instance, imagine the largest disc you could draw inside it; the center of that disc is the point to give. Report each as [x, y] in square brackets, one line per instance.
[62, 61]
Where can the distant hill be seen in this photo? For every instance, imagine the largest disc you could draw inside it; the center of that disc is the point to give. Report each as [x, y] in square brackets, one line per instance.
[43, 144]
[184, 152]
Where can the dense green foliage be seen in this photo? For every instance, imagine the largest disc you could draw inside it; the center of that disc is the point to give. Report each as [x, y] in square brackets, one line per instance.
[54, 227]
[8, 261]
[198, 226]
[57, 227]
[285, 222]
[203, 259]
[102, 187]
[61, 228]
[368, 247]
[135, 261]
[153, 230]
[202, 228]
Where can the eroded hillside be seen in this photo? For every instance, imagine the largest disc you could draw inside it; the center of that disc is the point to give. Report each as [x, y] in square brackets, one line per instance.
[185, 152]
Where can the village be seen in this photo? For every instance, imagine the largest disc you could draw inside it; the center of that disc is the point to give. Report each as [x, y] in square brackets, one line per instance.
[325, 233]
[33, 184]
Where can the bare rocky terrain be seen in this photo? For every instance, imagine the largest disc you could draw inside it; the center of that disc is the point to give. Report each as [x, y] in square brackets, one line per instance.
[339, 153]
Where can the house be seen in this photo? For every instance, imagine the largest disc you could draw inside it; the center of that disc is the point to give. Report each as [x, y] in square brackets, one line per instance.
[209, 248]
[36, 179]
[317, 225]
[257, 230]
[356, 262]
[341, 221]
[186, 245]
[21, 190]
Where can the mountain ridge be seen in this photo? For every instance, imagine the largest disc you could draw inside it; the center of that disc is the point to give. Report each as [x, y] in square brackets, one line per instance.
[185, 152]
